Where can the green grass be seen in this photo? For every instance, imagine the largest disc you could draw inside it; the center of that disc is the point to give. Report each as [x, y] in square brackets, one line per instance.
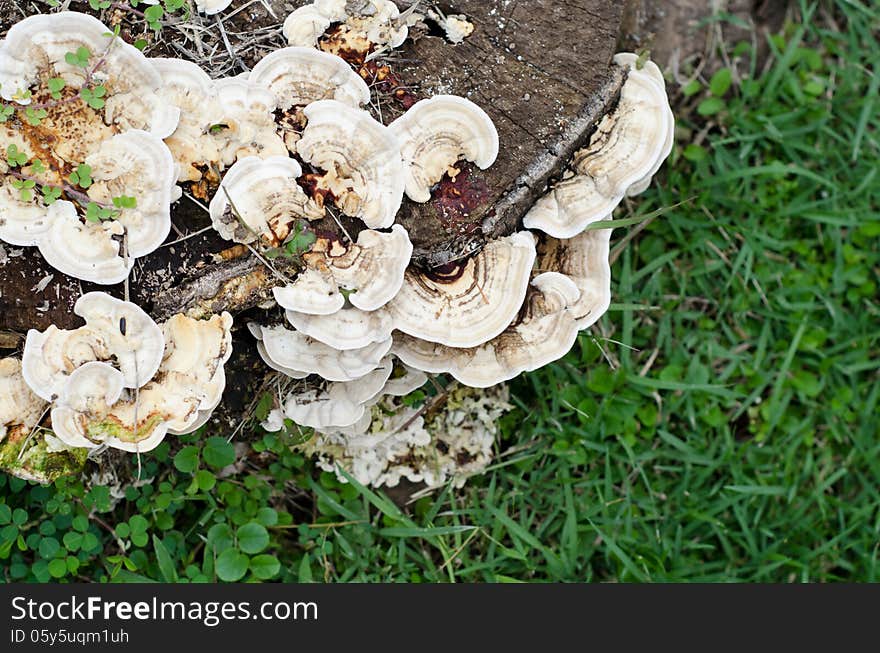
[733, 437]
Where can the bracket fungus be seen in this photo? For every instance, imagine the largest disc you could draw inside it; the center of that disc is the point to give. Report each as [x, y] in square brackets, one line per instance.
[348, 328]
[585, 260]
[85, 129]
[115, 331]
[473, 301]
[248, 126]
[626, 150]
[211, 7]
[259, 200]
[339, 405]
[544, 332]
[95, 407]
[286, 349]
[221, 120]
[360, 160]
[360, 26]
[299, 76]
[370, 272]
[435, 134]
[192, 144]
[20, 408]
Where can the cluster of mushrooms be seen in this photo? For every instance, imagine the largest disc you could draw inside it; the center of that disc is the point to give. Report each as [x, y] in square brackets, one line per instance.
[275, 151]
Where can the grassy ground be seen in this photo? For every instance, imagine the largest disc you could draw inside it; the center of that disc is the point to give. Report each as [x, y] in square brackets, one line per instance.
[733, 435]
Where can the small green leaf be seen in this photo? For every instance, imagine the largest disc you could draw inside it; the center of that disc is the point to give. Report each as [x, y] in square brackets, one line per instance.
[187, 459]
[49, 546]
[138, 524]
[252, 537]
[55, 86]
[205, 480]
[218, 453]
[710, 106]
[51, 194]
[264, 406]
[720, 82]
[692, 88]
[220, 537]
[15, 157]
[58, 568]
[124, 202]
[72, 541]
[267, 516]
[265, 566]
[694, 153]
[232, 565]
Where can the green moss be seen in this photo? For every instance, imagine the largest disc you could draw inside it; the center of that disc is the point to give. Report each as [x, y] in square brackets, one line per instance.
[38, 463]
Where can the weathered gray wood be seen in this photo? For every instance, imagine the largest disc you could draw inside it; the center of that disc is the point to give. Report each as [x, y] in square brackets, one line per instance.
[541, 69]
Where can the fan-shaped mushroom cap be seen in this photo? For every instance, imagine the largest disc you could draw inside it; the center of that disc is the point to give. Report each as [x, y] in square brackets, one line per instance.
[631, 61]
[19, 406]
[363, 24]
[372, 270]
[115, 331]
[585, 260]
[186, 85]
[340, 405]
[196, 352]
[404, 380]
[312, 291]
[44, 40]
[137, 164]
[295, 351]
[257, 332]
[361, 160]
[628, 147]
[299, 76]
[543, 333]
[472, 303]
[348, 328]
[435, 134]
[250, 128]
[87, 394]
[211, 7]
[94, 409]
[84, 250]
[305, 26]
[260, 199]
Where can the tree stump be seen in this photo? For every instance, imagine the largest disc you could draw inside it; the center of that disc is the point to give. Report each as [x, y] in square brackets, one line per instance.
[542, 71]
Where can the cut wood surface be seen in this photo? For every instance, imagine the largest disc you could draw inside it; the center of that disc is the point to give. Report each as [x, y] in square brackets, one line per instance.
[541, 69]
